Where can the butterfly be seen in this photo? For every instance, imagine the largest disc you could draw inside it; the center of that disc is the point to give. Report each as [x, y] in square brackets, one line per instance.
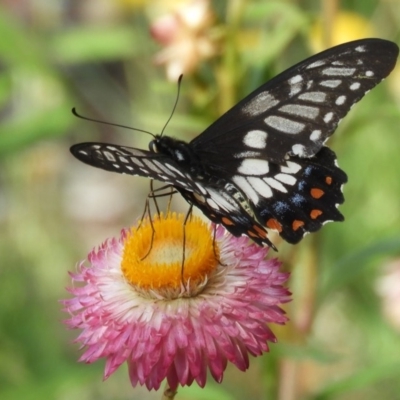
[264, 164]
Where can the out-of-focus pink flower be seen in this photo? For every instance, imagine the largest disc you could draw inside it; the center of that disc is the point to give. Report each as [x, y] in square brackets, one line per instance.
[185, 36]
[135, 303]
[388, 288]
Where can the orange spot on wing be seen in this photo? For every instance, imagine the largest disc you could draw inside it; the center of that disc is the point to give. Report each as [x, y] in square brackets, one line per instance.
[252, 234]
[297, 224]
[260, 231]
[227, 221]
[328, 180]
[317, 193]
[315, 213]
[272, 223]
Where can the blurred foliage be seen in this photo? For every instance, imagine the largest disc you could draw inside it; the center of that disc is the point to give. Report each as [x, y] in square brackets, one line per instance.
[98, 55]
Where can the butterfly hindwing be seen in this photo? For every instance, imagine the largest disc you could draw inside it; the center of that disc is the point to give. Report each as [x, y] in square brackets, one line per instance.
[304, 197]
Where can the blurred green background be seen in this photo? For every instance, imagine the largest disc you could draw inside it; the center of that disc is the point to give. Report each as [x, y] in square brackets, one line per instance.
[116, 61]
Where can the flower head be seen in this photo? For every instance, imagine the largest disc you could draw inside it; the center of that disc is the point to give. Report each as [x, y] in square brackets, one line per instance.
[140, 303]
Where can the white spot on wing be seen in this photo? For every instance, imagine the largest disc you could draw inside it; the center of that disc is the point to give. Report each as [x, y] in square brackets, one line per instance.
[295, 85]
[260, 186]
[316, 97]
[171, 167]
[247, 154]
[285, 178]
[315, 135]
[201, 199]
[201, 188]
[179, 156]
[301, 111]
[340, 100]
[284, 124]
[136, 161]
[164, 168]
[151, 166]
[290, 167]
[328, 116]
[256, 139]
[211, 203]
[259, 104]
[275, 184]
[331, 83]
[299, 150]
[316, 64]
[295, 79]
[369, 73]
[337, 71]
[355, 86]
[246, 188]
[109, 156]
[253, 166]
[181, 183]
[360, 49]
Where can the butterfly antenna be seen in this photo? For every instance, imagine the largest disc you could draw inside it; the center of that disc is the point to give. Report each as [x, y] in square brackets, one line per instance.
[110, 123]
[176, 103]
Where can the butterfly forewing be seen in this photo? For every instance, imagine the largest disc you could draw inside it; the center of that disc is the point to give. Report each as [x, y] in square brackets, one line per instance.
[299, 109]
[263, 164]
[128, 160]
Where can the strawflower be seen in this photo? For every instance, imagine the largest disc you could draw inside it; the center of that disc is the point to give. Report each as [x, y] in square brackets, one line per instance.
[135, 303]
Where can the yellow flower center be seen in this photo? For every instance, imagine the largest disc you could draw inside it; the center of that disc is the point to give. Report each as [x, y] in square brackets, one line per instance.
[165, 254]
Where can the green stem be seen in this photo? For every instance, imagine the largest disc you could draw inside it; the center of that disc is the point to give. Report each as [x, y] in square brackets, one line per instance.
[168, 393]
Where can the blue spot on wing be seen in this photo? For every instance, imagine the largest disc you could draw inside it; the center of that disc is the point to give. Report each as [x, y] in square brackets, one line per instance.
[298, 200]
[280, 207]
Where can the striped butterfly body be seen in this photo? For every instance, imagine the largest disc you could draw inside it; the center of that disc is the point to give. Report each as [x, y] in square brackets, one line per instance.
[263, 164]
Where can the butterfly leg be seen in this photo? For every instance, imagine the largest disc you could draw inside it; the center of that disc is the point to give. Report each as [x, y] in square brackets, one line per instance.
[188, 215]
[147, 209]
[214, 249]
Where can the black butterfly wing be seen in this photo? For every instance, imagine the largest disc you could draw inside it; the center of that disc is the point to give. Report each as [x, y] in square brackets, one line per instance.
[214, 199]
[221, 206]
[270, 145]
[294, 198]
[296, 111]
[131, 161]
[298, 196]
